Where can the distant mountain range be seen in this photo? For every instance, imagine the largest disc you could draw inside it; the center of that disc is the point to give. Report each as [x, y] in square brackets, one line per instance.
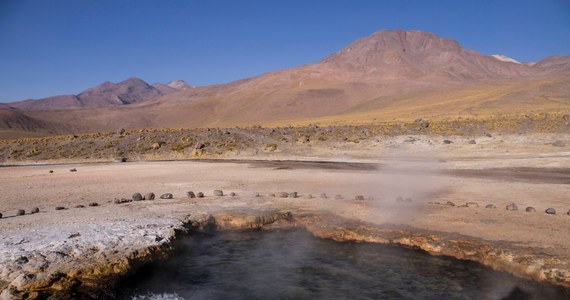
[107, 94]
[389, 75]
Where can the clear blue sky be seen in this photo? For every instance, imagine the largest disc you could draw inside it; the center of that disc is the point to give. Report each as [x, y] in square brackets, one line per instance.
[63, 47]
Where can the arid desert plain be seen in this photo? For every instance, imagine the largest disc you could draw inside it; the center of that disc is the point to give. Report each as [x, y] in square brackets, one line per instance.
[447, 196]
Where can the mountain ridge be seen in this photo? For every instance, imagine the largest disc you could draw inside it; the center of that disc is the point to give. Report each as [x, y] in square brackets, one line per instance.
[107, 94]
[388, 75]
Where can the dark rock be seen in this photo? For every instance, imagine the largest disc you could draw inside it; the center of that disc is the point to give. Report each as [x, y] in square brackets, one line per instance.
[530, 209]
[199, 146]
[512, 206]
[232, 194]
[35, 210]
[22, 260]
[282, 195]
[447, 142]
[59, 208]
[137, 197]
[293, 195]
[488, 134]
[121, 130]
[472, 142]
[558, 143]
[149, 196]
[1, 215]
[20, 212]
[74, 235]
[79, 206]
[93, 204]
[568, 213]
[449, 203]
[200, 195]
[190, 194]
[472, 204]
[323, 196]
[550, 211]
[359, 198]
[121, 159]
[122, 200]
[50, 171]
[218, 193]
[166, 196]
[73, 170]
[490, 206]
[338, 197]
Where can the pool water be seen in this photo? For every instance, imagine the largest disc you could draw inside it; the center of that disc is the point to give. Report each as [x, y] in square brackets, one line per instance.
[292, 264]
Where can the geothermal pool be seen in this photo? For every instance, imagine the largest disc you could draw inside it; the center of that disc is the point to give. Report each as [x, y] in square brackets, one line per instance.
[292, 264]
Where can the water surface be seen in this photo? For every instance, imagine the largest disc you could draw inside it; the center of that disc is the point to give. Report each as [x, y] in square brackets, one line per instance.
[295, 265]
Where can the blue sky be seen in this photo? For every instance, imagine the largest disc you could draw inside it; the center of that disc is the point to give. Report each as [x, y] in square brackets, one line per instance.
[63, 47]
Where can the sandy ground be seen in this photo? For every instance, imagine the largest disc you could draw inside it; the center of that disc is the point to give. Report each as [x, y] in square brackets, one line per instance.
[537, 176]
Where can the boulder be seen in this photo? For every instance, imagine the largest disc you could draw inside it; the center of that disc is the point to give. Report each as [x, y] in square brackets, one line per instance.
[20, 212]
[512, 206]
[137, 197]
[59, 208]
[447, 142]
[232, 194]
[51, 171]
[166, 196]
[122, 200]
[35, 210]
[93, 204]
[359, 198]
[200, 195]
[73, 170]
[449, 203]
[149, 196]
[218, 193]
[490, 206]
[79, 206]
[1, 215]
[550, 211]
[530, 209]
[190, 194]
[293, 195]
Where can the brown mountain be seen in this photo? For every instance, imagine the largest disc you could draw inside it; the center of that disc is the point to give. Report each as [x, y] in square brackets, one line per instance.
[107, 94]
[385, 76]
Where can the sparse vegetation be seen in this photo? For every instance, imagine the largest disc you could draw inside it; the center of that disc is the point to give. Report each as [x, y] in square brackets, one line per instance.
[219, 143]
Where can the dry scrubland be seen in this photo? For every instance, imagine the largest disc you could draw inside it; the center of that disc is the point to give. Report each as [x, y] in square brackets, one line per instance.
[267, 143]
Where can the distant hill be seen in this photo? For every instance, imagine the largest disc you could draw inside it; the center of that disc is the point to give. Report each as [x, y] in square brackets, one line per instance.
[107, 94]
[389, 75]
